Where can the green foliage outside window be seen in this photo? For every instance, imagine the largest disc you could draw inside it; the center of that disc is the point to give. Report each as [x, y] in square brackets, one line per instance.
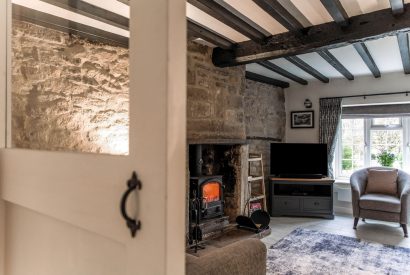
[347, 158]
[386, 158]
[347, 164]
[347, 152]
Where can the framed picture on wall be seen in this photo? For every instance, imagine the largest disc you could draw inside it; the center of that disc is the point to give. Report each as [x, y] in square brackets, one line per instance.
[302, 119]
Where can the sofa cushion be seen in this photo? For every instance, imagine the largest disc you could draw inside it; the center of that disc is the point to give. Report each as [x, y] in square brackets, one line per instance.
[382, 181]
[242, 257]
[380, 202]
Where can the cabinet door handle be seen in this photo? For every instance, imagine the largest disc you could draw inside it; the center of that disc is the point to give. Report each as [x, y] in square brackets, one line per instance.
[132, 224]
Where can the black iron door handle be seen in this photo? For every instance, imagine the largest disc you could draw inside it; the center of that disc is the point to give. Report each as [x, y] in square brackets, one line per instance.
[132, 184]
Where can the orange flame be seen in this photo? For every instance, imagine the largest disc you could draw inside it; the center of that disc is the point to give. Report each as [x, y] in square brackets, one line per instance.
[211, 192]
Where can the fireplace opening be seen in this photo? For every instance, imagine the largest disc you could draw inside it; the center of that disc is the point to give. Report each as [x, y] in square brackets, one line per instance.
[215, 186]
[225, 160]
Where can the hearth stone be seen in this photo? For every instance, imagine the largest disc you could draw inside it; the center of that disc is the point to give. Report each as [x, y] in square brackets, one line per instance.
[228, 235]
[212, 226]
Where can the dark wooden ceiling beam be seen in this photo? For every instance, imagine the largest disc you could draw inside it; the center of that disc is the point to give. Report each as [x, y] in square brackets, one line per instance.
[364, 27]
[226, 15]
[92, 11]
[280, 14]
[403, 40]
[199, 31]
[332, 60]
[266, 80]
[307, 68]
[68, 26]
[397, 6]
[367, 58]
[336, 10]
[274, 68]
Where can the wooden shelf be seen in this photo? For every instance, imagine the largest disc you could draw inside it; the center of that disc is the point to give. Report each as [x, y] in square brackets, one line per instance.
[301, 197]
[250, 178]
[256, 181]
[256, 198]
[322, 180]
[255, 159]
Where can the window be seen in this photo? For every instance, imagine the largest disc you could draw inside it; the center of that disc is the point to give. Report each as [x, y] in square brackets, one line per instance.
[365, 142]
[352, 146]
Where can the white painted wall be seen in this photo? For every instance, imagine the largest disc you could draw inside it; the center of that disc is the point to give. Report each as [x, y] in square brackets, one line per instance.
[296, 95]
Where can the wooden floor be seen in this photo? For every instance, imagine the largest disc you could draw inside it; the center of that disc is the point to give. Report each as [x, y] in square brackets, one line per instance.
[371, 230]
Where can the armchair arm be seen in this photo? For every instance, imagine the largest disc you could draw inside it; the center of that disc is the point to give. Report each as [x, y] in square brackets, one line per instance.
[404, 185]
[358, 183]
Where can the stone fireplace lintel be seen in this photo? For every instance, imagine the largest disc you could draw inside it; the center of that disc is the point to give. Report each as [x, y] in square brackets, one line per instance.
[218, 141]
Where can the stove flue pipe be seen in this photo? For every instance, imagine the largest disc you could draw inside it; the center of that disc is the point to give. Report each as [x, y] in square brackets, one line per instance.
[198, 160]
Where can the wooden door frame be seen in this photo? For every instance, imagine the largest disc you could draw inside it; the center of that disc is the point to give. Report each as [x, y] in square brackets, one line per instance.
[177, 102]
[4, 30]
[175, 116]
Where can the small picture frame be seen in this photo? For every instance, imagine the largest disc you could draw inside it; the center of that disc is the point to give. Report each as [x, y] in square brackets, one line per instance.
[302, 119]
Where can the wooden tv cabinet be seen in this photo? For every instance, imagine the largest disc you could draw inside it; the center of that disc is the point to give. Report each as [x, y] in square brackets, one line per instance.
[301, 197]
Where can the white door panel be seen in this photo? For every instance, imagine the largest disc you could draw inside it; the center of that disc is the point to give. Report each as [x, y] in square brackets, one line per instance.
[65, 249]
[62, 210]
[73, 192]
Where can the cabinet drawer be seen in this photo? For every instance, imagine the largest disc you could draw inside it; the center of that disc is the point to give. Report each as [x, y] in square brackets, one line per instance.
[323, 205]
[286, 204]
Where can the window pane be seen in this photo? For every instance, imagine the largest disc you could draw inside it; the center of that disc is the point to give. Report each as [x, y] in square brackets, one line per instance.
[352, 146]
[386, 121]
[386, 148]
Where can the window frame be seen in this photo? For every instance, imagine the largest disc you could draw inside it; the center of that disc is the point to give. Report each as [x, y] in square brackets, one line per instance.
[368, 127]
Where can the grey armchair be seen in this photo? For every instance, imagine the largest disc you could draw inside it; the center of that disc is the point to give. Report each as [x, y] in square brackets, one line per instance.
[379, 206]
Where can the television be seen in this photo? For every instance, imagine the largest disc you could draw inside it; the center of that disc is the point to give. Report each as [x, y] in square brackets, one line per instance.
[298, 160]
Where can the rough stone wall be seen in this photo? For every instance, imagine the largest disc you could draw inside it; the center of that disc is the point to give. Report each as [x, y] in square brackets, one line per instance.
[265, 121]
[264, 111]
[215, 97]
[223, 105]
[68, 94]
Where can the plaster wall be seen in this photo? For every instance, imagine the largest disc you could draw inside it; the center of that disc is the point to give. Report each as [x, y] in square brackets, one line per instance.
[296, 95]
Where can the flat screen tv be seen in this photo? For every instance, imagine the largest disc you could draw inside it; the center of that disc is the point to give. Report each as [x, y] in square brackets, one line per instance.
[298, 160]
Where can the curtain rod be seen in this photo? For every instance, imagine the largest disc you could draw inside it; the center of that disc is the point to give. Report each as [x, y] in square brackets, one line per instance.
[364, 96]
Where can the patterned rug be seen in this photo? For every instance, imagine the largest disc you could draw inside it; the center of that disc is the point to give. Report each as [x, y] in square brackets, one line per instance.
[306, 251]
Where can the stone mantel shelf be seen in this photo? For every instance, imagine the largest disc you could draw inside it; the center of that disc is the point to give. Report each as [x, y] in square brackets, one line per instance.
[219, 141]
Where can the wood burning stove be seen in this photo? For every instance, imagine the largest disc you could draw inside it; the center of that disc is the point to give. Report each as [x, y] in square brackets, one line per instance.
[206, 198]
[207, 193]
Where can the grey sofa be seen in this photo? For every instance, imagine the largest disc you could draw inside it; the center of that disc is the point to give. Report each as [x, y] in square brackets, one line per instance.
[240, 258]
[379, 206]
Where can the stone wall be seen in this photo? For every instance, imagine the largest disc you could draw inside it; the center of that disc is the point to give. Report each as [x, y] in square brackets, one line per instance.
[67, 93]
[265, 120]
[223, 105]
[215, 97]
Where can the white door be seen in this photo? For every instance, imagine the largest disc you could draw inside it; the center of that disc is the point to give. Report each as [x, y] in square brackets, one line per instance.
[60, 212]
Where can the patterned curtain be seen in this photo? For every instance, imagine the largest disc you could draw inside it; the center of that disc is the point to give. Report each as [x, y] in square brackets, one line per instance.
[330, 110]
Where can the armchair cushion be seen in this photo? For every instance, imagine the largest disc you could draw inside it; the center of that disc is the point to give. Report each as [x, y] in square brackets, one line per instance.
[382, 181]
[380, 202]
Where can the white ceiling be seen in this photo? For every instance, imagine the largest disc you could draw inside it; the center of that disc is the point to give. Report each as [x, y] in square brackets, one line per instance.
[111, 5]
[385, 51]
[312, 10]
